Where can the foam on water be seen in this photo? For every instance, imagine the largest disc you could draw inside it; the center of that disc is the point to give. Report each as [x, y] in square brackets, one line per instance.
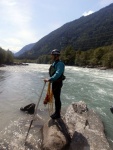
[13, 137]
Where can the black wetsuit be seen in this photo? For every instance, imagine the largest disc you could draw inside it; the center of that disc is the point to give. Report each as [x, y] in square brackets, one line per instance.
[56, 77]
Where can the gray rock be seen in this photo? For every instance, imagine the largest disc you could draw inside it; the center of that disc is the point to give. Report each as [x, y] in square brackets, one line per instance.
[79, 129]
[55, 135]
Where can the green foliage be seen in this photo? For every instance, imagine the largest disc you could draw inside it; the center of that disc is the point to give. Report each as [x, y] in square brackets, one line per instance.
[2, 56]
[99, 57]
[45, 59]
[19, 61]
[107, 59]
[68, 56]
[81, 58]
[6, 57]
[9, 57]
[102, 56]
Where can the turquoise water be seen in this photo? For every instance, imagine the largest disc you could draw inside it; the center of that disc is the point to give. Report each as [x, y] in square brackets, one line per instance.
[21, 85]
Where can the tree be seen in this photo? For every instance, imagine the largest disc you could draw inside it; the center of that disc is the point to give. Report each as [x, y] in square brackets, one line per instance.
[68, 56]
[108, 60]
[44, 59]
[2, 56]
[9, 57]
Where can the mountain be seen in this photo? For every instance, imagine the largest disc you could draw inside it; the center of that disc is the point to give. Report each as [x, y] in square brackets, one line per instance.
[24, 49]
[83, 34]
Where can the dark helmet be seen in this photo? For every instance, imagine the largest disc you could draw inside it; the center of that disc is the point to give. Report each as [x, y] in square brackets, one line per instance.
[55, 52]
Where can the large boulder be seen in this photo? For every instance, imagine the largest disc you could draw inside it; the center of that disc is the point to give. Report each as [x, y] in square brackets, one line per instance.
[79, 129]
[55, 135]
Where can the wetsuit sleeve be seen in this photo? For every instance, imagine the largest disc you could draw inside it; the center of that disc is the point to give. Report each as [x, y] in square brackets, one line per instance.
[59, 71]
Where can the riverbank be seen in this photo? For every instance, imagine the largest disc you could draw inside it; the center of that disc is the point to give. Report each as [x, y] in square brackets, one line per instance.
[14, 64]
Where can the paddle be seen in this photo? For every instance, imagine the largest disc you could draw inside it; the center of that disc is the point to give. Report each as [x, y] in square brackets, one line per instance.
[35, 112]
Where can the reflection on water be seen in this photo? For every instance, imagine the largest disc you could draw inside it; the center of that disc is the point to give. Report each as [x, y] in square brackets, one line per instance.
[2, 76]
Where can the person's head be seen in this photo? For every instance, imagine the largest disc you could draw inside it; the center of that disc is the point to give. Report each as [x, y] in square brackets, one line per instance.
[55, 54]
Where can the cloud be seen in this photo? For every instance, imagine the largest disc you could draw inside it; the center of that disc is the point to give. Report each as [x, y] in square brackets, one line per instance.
[12, 40]
[8, 2]
[11, 43]
[88, 13]
[16, 25]
[27, 36]
[16, 42]
[15, 13]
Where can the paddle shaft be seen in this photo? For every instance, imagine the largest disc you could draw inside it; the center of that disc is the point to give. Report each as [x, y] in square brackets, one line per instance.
[35, 111]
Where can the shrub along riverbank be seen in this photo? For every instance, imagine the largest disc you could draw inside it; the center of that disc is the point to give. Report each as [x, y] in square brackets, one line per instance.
[99, 57]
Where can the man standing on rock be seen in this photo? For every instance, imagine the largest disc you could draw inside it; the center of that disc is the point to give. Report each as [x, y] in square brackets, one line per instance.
[56, 72]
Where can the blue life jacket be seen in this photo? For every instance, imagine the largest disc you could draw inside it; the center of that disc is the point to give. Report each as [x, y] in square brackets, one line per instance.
[52, 71]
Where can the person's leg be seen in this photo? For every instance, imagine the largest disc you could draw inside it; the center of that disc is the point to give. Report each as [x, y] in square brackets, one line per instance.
[57, 100]
[56, 88]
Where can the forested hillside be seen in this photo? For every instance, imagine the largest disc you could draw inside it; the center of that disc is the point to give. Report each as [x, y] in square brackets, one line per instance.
[85, 33]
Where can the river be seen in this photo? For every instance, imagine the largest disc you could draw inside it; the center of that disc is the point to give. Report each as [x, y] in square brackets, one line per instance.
[21, 85]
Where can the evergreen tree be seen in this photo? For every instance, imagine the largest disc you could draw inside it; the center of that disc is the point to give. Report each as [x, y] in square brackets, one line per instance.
[9, 57]
[2, 56]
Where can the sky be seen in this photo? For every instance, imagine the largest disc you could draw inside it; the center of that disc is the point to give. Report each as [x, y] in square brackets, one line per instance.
[23, 22]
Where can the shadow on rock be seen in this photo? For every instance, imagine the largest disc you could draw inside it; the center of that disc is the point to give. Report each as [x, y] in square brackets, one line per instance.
[62, 127]
[79, 142]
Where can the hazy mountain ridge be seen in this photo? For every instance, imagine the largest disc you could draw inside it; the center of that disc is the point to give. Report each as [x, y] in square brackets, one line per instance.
[84, 33]
[24, 49]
